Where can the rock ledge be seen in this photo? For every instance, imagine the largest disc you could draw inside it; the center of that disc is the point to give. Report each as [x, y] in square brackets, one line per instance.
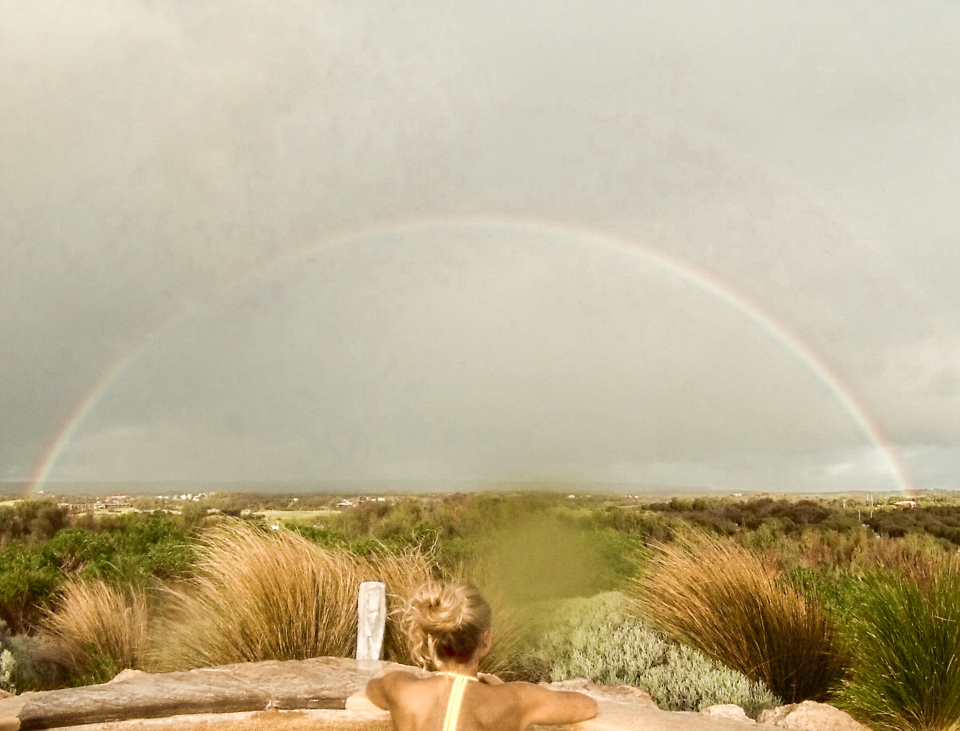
[326, 694]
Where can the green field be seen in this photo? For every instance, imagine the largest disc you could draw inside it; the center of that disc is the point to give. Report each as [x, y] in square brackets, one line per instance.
[297, 516]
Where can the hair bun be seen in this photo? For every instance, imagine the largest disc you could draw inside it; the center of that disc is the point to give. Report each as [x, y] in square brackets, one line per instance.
[448, 618]
[438, 608]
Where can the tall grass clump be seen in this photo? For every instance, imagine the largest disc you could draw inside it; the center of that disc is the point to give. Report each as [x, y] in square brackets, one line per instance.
[906, 644]
[273, 595]
[98, 630]
[722, 599]
[597, 638]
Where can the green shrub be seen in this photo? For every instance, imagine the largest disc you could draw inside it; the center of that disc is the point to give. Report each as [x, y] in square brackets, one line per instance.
[722, 599]
[469, 531]
[725, 517]
[8, 669]
[906, 644]
[939, 521]
[838, 592]
[27, 584]
[597, 638]
[593, 638]
[132, 548]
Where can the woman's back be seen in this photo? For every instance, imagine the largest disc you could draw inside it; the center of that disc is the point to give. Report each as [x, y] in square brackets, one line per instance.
[449, 628]
[421, 704]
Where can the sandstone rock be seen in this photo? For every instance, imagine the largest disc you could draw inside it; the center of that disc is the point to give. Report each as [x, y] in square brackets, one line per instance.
[322, 720]
[811, 716]
[727, 710]
[359, 702]
[620, 693]
[319, 683]
[10, 708]
[208, 700]
[127, 674]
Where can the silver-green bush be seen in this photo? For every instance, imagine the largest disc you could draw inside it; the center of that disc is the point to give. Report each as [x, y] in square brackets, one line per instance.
[597, 638]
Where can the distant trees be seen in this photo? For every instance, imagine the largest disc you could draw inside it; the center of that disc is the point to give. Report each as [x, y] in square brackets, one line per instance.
[31, 521]
[727, 516]
[940, 521]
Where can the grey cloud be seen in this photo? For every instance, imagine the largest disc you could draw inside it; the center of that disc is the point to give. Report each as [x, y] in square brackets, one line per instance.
[154, 154]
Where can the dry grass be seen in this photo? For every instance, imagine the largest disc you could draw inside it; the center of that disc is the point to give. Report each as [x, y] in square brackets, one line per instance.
[98, 630]
[722, 599]
[273, 595]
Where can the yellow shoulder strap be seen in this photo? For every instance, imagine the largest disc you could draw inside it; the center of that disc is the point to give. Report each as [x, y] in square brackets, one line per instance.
[453, 705]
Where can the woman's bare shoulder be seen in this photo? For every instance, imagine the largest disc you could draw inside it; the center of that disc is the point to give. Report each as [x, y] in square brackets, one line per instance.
[384, 689]
[542, 705]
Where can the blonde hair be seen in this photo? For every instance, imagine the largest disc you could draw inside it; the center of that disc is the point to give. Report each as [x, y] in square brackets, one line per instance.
[445, 621]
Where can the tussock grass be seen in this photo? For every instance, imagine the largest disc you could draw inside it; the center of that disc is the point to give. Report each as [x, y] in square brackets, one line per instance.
[722, 599]
[273, 595]
[98, 630]
[906, 644]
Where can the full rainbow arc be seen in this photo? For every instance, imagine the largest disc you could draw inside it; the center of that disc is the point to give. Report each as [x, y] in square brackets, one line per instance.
[780, 333]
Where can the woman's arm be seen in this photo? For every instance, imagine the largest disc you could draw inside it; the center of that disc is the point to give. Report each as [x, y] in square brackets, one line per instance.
[555, 706]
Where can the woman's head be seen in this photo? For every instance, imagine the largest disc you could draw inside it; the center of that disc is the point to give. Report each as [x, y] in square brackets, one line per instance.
[446, 622]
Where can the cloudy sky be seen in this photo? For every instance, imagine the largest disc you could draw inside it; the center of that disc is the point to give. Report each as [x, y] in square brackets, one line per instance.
[707, 244]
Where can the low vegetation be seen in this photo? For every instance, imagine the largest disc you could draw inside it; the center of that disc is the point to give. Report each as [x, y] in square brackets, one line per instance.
[211, 579]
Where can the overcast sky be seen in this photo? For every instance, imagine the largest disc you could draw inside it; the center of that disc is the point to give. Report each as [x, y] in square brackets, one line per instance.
[708, 244]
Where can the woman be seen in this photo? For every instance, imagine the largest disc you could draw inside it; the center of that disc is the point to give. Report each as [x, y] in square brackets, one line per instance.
[449, 626]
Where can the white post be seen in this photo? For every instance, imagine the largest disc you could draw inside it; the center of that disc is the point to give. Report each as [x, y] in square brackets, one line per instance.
[371, 619]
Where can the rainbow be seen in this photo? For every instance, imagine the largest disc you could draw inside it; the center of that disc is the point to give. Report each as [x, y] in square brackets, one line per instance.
[806, 355]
